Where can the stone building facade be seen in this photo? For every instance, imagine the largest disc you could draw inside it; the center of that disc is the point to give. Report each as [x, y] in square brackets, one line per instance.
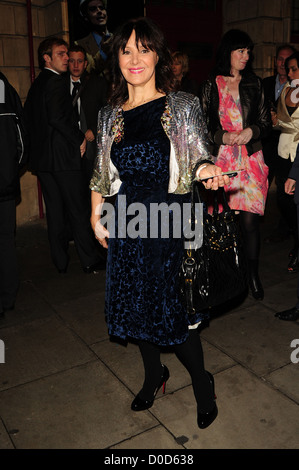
[268, 23]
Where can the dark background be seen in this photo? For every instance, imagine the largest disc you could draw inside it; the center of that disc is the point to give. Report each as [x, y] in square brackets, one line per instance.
[191, 26]
[118, 12]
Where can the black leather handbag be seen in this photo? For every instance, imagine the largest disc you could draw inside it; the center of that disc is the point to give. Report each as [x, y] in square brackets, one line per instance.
[217, 271]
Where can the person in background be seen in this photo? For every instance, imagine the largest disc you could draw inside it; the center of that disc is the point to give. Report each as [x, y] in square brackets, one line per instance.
[89, 93]
[273, 86]
[13, 138]
[287, 121]
[180, 68]
[96, 44]
[292, 189]
[151, 140]
[57, 146]
[238, 118]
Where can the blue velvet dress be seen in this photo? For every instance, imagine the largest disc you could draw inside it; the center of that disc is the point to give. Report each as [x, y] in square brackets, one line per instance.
[142, 287]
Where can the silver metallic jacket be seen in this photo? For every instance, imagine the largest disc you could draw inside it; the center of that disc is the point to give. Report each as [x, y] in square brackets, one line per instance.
[185, 127]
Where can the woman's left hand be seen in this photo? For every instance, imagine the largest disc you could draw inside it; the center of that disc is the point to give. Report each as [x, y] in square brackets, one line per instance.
[214, 174]
[243, 137]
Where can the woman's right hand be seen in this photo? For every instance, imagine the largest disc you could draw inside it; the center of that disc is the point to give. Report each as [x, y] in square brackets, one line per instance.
[289, 186]
[229, 138]
[101, 233]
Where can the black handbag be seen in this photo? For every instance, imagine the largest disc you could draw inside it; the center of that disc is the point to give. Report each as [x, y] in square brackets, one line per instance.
[217, 271]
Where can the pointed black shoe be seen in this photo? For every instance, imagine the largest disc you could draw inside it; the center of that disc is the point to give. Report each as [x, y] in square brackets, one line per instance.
[205, 419]
[140, 405]
[95, 268]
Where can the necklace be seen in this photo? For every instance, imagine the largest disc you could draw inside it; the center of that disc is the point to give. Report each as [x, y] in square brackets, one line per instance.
[133, 105]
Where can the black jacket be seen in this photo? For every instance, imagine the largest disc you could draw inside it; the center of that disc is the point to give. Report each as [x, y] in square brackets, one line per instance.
[13, 140]
[93, 96]
[55, 137]
[255, 113]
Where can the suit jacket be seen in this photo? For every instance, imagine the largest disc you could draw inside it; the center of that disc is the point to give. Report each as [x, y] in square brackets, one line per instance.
[96, 63]
[270, 143]
[269, 90]
[55, 137]
[93, 96]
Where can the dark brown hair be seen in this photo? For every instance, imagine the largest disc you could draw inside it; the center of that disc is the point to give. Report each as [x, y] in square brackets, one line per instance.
[151, 37]
[46, 47]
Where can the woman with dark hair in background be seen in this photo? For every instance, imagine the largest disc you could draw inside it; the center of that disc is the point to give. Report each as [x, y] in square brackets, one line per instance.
[150, 141]
[237, 118]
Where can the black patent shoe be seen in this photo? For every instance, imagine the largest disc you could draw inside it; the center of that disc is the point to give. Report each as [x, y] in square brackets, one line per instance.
[138, 404]
[95, 268]
[205, 419]
[291, 314]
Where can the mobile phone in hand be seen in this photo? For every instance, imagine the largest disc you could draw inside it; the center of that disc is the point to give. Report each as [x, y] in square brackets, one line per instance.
[230, 174]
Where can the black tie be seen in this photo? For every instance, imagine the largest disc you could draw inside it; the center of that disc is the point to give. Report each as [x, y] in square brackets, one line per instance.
[76, 86]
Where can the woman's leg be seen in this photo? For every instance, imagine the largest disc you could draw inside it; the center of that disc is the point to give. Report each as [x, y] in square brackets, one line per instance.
[250, 225]
[190, 353]
[153, 369]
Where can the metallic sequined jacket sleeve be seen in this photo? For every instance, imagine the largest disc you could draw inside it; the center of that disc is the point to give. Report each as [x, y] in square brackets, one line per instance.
[183, 123]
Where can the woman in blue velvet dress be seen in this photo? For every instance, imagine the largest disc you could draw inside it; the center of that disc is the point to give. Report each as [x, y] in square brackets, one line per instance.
[150, 140]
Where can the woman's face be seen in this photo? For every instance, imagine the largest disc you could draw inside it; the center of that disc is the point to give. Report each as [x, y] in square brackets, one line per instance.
[239, 59]
[137, 64]
[177, 69]
[293, 70]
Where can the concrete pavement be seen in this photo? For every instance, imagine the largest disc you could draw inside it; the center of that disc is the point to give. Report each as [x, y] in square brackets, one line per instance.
[65, 385]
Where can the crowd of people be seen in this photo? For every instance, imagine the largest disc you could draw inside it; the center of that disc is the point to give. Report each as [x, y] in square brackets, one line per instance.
[140, 137]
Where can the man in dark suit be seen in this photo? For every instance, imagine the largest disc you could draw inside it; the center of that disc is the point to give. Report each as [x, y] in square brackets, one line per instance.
[56, 149]
[292, 188]
[97, 42]
[273, 86]
[90, 96]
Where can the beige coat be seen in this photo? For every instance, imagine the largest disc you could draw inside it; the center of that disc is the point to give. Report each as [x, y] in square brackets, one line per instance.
[289, 126]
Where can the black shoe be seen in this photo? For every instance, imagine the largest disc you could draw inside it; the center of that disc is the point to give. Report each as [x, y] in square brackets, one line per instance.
[139, 405]
[95, 268]
[205, 419]
[254, 282]
[289, 315]
[293, 264]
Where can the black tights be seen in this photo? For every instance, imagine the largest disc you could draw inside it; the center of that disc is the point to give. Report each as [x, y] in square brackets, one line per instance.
[250, 226]
[191, 356]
